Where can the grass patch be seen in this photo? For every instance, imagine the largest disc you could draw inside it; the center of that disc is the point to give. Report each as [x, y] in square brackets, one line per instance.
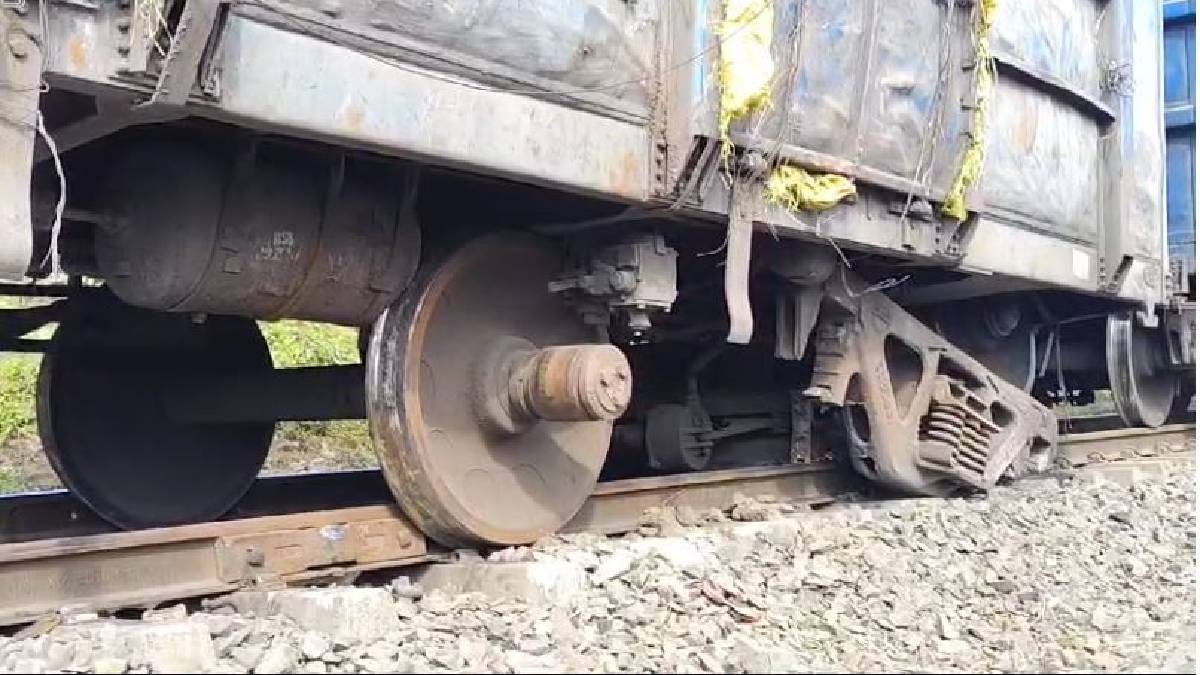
[10, 482]
[308, 446]
[18, 393]
[304, 343]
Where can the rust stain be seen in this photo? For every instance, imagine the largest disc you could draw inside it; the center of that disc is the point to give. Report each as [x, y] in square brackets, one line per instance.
[627, 177]
[78, 50]
[352, 119]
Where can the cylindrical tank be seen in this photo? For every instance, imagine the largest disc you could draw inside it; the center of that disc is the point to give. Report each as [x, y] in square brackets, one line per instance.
[274, 232]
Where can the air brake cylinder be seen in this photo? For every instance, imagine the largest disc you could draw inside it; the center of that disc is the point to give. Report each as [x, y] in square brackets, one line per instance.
[273, 232]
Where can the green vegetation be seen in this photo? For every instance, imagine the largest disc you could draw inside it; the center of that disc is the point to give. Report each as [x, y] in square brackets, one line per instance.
[303, 343]
[18, 384]
[340, 444]
[10, 482]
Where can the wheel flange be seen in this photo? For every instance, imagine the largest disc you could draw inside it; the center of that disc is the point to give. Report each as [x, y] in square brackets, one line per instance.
[491, 404]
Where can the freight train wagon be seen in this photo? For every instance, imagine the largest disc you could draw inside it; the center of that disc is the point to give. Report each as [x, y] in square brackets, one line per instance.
[636, 236]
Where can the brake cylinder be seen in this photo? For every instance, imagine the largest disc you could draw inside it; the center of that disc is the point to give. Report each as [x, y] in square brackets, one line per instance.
[276, 231]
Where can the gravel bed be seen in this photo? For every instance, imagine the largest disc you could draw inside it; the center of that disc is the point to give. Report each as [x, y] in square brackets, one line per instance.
[1087, 576]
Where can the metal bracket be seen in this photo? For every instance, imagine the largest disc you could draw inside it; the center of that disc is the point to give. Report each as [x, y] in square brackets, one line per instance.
[263, 558]
[194, 36]
[796, 310]
[697, 174]
[110, 118]
[1179, 326]
[744, 196]
[800, 440]
[180, 68]
[1111, 283]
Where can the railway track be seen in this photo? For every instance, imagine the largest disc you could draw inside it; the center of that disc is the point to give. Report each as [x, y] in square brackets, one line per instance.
[298, 529]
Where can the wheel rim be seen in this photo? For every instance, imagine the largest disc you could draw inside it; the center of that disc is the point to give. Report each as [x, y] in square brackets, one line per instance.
[462, 481]
[102, 422]
[1143, 389]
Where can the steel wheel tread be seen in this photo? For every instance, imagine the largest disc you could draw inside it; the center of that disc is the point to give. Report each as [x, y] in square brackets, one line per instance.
[462, 483]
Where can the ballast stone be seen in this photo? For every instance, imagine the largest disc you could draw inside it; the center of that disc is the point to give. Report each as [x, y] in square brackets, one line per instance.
[279, 658]
[1127, 474]
[313, 645]
[174, 646]
[543, 580]
[109, 665]
[347, 614]
[164, 646]
[679, 552]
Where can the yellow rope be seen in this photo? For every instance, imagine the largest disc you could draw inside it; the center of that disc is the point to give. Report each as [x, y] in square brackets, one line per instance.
[798, 189]
[971, 168]
[745, 67]
[745, 71]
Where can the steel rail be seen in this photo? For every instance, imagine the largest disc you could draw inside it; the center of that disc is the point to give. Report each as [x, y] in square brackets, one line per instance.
[1115, 444]
[112, 570]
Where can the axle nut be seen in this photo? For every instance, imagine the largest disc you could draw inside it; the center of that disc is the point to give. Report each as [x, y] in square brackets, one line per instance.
[517, 384]
[580, 382]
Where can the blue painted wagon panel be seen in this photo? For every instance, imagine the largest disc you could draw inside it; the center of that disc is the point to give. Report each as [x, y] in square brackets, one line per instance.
[1181, 196]
[1179, 94]
[1056, 37]
[823, 102]
[1043, 162]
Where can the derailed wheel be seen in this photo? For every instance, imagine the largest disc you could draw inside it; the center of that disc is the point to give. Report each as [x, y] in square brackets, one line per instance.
[103, 422]
[1143, 386]
[490, 405]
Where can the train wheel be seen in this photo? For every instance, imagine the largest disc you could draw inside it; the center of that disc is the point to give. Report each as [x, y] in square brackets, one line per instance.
[491, 405]
[103, 423]
[1143, 387]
